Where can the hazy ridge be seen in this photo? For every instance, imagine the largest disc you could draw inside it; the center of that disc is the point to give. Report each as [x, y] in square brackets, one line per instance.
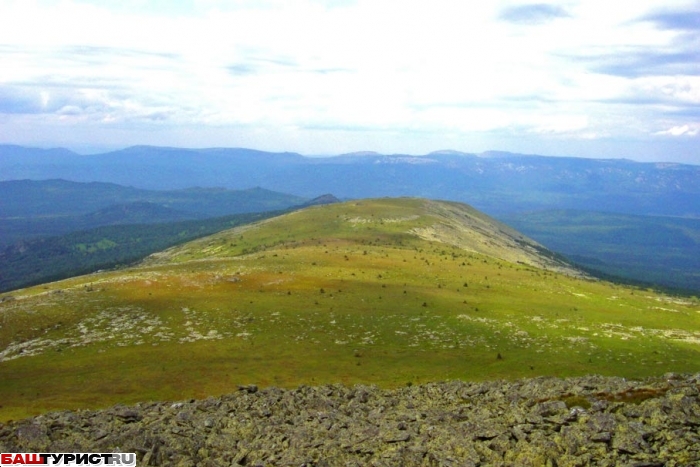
[503, 184]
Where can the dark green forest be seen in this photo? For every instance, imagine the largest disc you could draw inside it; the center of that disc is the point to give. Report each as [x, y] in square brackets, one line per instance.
[641, 249]
[42, 260]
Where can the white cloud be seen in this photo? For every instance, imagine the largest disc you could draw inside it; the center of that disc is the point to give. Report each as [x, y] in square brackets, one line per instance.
[687, 130]
[369, 66]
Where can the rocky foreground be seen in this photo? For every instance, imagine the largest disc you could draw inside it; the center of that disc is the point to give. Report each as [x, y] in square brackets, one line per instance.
[534, 422]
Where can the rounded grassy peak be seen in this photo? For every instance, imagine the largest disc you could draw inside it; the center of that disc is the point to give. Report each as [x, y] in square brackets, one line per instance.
[399, 222]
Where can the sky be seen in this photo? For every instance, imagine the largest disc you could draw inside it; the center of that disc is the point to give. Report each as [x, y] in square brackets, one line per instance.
[585, 78]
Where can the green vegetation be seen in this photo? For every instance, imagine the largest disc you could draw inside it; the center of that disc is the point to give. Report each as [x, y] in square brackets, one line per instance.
[31, 209]
[386, 292]
[49, 259]
[643, 249]
[104, 244]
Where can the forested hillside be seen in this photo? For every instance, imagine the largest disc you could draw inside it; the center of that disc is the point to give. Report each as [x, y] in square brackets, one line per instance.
[648, 249]
[47, 259]
[30, 208]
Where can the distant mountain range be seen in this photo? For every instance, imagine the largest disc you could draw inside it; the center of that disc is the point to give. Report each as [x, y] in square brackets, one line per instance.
[567, 204]
[496, 182]
[31, 208]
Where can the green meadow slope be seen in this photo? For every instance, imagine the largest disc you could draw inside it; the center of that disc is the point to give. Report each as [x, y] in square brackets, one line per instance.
[385, 291]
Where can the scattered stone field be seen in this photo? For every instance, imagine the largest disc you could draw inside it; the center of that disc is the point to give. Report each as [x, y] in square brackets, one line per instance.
[582, 421]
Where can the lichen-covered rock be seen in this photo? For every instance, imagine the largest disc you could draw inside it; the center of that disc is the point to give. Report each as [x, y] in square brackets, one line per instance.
[535, 422]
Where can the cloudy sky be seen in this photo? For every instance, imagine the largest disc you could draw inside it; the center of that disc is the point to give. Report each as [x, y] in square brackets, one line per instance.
[592, 78]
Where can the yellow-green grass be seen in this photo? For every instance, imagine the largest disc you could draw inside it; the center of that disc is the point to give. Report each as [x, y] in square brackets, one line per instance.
[313, 298]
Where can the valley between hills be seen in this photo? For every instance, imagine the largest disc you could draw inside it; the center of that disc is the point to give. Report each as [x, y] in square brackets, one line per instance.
[391, 292]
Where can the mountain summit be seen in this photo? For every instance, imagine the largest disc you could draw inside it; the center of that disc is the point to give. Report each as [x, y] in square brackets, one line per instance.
[378, 291]
[392, 220]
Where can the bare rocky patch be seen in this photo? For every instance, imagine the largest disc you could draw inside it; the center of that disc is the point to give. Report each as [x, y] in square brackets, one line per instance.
[118, 327]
